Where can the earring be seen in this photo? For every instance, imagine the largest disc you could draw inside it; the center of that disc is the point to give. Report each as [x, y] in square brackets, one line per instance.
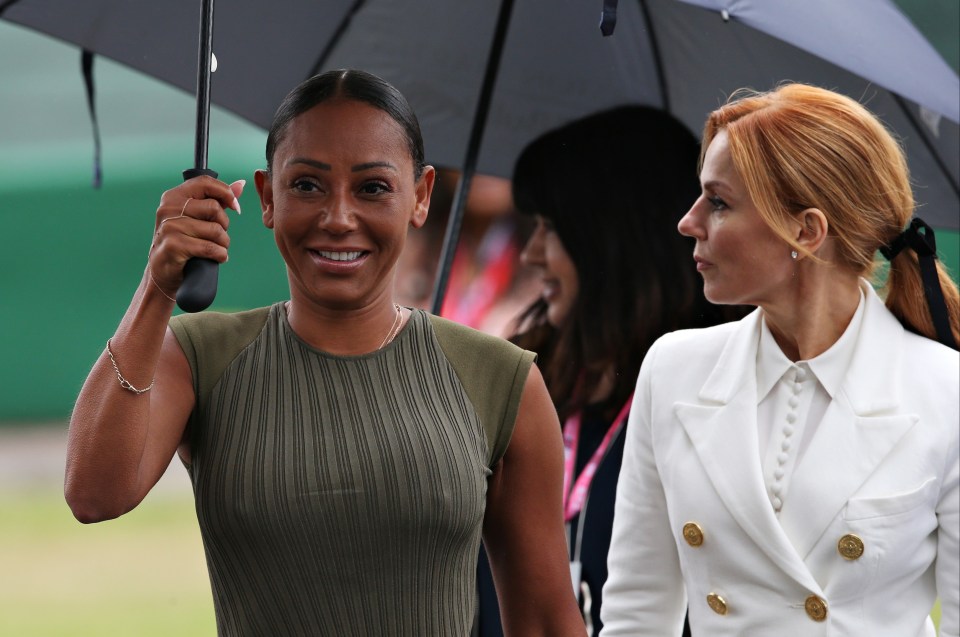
[793, 255]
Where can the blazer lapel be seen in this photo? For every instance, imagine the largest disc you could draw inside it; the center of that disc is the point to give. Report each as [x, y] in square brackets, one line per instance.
[859, 429]
[723, 429]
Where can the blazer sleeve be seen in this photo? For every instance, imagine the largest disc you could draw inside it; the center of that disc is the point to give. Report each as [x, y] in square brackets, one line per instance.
[948, 546]
[644, 593]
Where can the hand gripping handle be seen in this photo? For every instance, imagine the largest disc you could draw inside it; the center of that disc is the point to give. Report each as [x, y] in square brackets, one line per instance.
[200, 276]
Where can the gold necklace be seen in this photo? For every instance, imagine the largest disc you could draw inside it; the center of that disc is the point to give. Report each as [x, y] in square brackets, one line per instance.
[393, 329]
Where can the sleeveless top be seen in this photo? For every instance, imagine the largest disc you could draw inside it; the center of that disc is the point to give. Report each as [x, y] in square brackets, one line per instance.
[344, 495]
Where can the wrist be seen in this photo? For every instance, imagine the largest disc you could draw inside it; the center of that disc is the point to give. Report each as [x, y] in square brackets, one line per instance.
[156, 287]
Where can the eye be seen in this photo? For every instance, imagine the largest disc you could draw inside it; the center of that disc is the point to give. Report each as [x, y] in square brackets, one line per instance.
[305, 185]
[373, 188]
[717, 203]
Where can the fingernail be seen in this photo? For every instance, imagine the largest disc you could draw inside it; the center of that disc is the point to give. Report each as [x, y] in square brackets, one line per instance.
[236, 203]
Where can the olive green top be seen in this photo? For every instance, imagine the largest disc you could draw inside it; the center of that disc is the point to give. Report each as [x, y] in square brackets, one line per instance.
[344, 495]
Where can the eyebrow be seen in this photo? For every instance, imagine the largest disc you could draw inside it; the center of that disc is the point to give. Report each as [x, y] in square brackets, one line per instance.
[357, 168]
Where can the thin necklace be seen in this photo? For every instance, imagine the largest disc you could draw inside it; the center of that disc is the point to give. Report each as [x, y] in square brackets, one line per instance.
[394, 329]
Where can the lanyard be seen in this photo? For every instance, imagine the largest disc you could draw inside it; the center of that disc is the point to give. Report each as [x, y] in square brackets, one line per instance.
[574, 496]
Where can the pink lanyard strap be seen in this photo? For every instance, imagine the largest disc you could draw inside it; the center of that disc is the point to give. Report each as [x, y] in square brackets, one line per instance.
[574, 497]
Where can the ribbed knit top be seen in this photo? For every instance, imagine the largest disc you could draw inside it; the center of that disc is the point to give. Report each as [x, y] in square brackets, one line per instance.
[344, 495]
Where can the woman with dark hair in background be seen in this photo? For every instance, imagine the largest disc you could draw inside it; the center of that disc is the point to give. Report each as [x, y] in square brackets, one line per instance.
[606, 193]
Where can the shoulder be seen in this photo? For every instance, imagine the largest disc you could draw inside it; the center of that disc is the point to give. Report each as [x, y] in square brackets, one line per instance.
[211, 340]
[218, 329]
[480, 359]
[492, 372]
[930, 369]
[927, 368]
[939, 359]
[206, 322]
[456, 338]
[683, 348]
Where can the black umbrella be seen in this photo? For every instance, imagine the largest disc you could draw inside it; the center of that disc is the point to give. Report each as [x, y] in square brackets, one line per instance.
[543, 63]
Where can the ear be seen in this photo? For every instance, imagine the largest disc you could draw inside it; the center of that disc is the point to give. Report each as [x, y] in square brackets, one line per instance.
[265, 189]
[812, 229]
[424, 188]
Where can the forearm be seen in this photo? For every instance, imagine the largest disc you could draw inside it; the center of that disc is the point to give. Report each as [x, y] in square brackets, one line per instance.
[538, 600]
[110, 425]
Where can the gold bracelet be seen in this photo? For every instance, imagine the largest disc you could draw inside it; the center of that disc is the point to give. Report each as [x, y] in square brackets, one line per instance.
[123, 381]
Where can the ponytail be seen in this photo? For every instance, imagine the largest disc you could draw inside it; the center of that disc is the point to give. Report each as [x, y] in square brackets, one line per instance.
[919, 291]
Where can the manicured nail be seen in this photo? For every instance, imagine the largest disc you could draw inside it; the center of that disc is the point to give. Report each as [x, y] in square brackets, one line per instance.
[236, 203]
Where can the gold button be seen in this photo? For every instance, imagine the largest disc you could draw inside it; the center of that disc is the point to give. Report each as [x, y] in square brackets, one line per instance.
[717, 604]
[850, 547]
[693, 534]
[816, 608]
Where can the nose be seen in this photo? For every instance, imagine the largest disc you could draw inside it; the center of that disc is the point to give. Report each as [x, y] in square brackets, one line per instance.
[690, 225]
[337, 216]
[533, 252]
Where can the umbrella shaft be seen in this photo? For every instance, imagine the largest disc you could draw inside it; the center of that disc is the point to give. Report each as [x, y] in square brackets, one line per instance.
[203, 84]
[452, 235]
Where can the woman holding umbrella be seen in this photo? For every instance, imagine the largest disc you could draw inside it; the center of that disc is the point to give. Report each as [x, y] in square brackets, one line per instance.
[346, 453]
[796, 472]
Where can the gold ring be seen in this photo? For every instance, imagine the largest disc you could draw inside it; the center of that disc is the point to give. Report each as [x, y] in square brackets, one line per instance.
[182, 211]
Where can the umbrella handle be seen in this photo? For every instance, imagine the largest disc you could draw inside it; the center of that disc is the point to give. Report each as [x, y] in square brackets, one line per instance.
[200, 276]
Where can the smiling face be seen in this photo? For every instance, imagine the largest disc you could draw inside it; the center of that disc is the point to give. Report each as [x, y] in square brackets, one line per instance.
[340, 199]
[561, 284]
[741, 259]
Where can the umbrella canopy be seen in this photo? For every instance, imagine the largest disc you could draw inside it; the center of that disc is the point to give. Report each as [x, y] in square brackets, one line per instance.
[686, 56]
[683, 55]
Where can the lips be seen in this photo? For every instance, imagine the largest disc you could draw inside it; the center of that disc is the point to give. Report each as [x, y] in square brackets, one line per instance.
[338, 261]
[702, 264]
[551, 289]
[351, 255]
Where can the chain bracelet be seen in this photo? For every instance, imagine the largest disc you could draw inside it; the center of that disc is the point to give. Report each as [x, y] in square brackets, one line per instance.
[152, 278]
[123, 381]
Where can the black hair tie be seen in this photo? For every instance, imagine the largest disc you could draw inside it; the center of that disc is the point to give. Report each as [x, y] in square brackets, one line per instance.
[924, 244]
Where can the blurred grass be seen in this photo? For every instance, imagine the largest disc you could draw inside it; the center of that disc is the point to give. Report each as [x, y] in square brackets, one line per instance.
[141, 575]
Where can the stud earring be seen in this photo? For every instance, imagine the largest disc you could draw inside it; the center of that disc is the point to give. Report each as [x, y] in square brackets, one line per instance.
[793, 255]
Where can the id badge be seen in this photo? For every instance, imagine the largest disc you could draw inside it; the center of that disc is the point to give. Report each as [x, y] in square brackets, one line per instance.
[575, 572]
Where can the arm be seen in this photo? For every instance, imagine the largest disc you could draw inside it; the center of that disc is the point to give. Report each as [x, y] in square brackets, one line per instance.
[523, 527]
[644, 592]
[120, 442]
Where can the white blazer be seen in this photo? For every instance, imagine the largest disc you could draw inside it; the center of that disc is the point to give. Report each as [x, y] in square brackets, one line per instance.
[882, 466]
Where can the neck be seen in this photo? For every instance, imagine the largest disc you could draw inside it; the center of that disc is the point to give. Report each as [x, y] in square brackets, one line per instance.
[346, 332]
[814, 313]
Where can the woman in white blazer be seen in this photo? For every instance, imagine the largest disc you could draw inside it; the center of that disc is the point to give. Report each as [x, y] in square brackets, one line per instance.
[796, 473]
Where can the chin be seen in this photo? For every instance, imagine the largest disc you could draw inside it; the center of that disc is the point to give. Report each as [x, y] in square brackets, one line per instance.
[717, 297]
[556, 315]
